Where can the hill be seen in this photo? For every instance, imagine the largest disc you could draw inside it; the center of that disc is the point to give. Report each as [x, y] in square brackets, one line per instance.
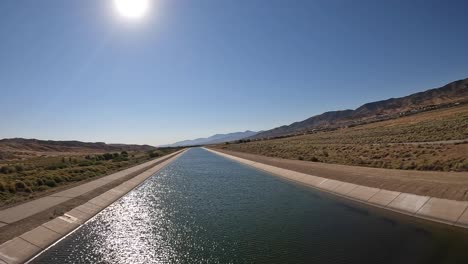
[448, 95]
[21, 147]
[432, 140]
[215, 139]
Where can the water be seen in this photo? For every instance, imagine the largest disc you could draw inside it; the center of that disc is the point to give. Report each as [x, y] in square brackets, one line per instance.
[203, 208]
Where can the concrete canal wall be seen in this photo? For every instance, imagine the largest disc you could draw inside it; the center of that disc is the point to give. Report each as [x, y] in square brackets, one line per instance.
[24, 247]
[444, 211]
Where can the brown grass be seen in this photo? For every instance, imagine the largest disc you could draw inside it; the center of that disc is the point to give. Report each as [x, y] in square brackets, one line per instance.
[393, 144]
[27, 179]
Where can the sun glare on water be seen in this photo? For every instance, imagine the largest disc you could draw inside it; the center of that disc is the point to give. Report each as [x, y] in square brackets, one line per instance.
[132, 9]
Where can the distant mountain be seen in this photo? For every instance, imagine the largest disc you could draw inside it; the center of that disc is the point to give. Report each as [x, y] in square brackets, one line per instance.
[18, 147]
[452, 93]
[215, 139]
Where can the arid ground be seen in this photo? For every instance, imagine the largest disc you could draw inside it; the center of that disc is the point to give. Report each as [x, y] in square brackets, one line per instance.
[429, 141]
[30, 178]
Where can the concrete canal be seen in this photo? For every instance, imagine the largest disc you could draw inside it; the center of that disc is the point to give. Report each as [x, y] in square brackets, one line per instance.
[203, 208]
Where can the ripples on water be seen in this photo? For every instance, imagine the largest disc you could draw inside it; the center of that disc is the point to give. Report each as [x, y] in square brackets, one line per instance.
[205, 209]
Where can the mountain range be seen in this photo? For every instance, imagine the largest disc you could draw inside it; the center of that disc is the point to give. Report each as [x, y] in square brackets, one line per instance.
[450, 94]
[215, 139]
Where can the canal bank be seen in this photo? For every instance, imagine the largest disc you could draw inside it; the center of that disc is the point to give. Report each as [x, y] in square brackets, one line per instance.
[449, 212]
[25, 246]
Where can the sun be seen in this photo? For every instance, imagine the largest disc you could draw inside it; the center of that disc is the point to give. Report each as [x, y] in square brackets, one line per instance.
[132, 9]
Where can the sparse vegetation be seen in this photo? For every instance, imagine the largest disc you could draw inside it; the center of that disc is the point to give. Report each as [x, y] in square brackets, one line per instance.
[23, 179]
[393, 144]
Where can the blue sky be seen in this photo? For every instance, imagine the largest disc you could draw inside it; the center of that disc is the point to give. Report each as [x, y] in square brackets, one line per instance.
[77, 70]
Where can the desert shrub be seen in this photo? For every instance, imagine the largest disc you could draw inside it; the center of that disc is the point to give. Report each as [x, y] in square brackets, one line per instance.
[461, 166]
[85, 163]
[7, 169]
[19, 168]
[12, 188]
[66, 178]
[29, 182]
[41, 188]
[3, 187]
[79, 177]
[154, 154]
[50, 183]
[39, 182]
[314, 159]
[91, 173]
[411, 166]
[57, 179]
[56, 166]
[120, 158]
[19, 185]
[107, 156]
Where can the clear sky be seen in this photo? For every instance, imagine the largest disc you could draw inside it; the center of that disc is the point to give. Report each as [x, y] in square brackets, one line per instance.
[78, 70]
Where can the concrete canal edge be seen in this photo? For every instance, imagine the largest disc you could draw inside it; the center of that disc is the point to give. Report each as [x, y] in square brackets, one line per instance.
[450, 212]
[24, 247]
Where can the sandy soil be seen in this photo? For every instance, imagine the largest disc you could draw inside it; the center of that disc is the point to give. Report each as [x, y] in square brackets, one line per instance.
[448, 185]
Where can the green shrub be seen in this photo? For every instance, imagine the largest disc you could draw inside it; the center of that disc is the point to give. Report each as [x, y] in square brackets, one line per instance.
[154, 154]
[107, 156]
[50, 183]
[57, 166]
[39, 182]
[7, 169]
[29, 182]
[120, 159]
[85, 163]
[20, 186]
[58, 179]
[66, 178]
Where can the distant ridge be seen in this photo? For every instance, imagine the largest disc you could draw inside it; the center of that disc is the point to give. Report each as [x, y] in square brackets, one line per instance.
[452, 93]
[11, 147]
[215, 139]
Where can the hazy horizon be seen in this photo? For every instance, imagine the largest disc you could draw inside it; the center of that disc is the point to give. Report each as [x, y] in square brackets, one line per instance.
[76, 70]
